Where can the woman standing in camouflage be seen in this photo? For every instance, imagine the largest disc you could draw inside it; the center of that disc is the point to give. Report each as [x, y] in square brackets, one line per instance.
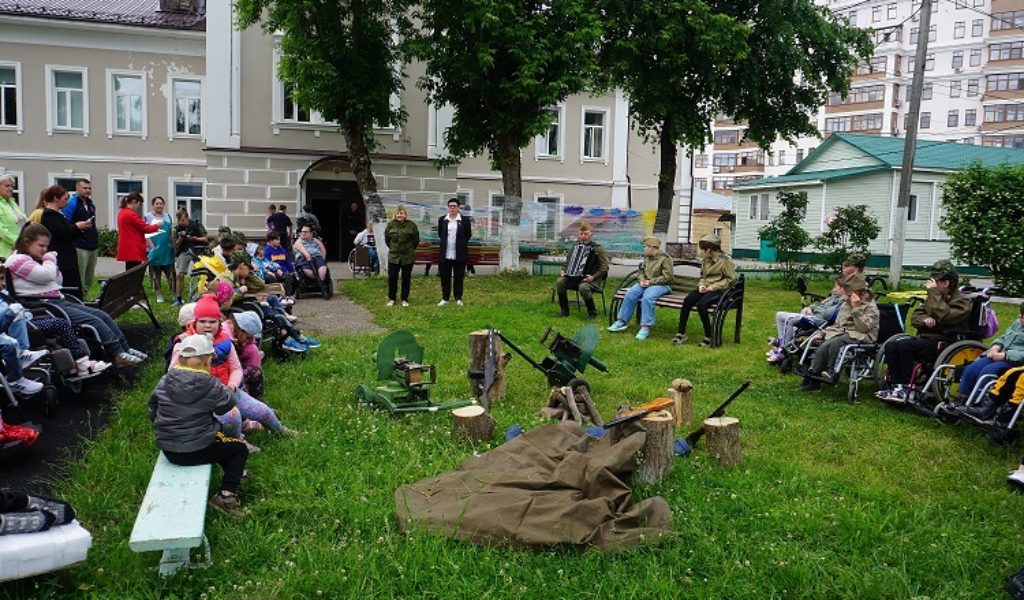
[402, 237]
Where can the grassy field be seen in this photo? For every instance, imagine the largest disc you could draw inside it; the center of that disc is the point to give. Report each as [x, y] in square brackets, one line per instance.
[832, 500]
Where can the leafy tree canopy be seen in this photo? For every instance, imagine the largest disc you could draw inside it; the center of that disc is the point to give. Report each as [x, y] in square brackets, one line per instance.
[786, 233]
[850, 230]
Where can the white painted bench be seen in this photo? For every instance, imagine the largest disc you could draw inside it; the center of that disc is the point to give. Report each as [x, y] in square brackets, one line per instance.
[173, 515]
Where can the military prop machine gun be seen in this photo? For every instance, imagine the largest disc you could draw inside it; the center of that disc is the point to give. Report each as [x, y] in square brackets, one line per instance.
[407, 381]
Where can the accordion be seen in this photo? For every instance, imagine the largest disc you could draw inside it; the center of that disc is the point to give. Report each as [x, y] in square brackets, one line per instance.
[577, 265]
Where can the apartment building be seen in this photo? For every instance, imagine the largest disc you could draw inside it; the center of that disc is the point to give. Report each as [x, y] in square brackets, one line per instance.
[972, 93]
[182, 105]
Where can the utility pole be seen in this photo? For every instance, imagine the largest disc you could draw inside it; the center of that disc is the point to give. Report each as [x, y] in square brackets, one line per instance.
[899, 232]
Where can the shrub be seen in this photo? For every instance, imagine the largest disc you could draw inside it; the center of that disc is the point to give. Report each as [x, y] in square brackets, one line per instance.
[786, 233]
[849, 231]
[108, 242]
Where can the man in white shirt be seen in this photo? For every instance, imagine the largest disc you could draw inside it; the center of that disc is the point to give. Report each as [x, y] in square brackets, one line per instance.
[453, 233]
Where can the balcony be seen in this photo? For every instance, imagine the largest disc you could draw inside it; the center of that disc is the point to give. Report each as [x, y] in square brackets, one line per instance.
[854, 106]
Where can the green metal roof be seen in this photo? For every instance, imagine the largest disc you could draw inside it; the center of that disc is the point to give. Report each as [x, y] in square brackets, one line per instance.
[812, 176]
[929, 154]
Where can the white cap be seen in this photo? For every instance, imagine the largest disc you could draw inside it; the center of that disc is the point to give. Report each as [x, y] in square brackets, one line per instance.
[195, 345]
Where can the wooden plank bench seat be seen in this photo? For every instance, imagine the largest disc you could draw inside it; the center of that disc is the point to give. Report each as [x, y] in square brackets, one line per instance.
[123, 291]
[428, 253]
[731, 300]
[173, 515]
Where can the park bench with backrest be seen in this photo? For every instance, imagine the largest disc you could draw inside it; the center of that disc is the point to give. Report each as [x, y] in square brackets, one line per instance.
[731, 300]
[428, 253]
[173, 515]
[123, 291]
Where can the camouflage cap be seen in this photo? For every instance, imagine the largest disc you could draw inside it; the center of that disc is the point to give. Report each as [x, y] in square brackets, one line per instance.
[855, 259]
[652, 241]
[240, 257]
[855, 283]
[943, 270]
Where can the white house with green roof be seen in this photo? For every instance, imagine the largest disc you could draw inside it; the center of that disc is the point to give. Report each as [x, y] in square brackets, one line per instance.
[853, 169]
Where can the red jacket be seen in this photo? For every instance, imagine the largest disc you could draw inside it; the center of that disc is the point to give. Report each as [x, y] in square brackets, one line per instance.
[131, 239]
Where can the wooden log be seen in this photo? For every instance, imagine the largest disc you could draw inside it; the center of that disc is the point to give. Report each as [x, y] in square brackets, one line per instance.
[473, 423]
[478, 362]
[657, 457]
[723, 435]
[684, 400]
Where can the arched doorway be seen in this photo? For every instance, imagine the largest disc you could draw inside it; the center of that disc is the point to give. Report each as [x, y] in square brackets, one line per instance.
[331, 191]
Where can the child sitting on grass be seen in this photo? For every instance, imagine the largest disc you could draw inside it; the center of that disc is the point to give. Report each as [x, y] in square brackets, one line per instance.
[815, 315]
[246, 327]
[857, 323]
[182, 409]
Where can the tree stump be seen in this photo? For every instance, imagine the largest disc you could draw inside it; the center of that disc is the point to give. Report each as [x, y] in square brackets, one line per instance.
[473, 423]
[723, 435]
[478, 364]
[657, 456]
[682, 393]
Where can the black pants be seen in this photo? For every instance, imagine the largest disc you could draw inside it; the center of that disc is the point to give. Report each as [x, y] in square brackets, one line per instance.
[901, 355]
[446, 269]
[700, 300]
[394, 270]
[230, 453]
[129, 264]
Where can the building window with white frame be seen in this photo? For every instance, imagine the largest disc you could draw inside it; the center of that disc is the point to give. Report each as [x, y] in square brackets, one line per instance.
[593, 134]
[975, 58]
[188, 106]
[912, 209]
[9, 116]
[977, 27]
[292, 111]
[959, 30]
[958, 61]
[953, 118]
[758, 207]
[68, 183]
[545, 227]
[189, 195]
[972, 88]
[123, 187]
[926, 120]
[128, 103]
[549, 143]
[971, 117]
[69, 102]
[891, 11]
[954, 88]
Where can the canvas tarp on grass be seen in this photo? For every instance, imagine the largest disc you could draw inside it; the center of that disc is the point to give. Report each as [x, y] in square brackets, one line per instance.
[551, 485]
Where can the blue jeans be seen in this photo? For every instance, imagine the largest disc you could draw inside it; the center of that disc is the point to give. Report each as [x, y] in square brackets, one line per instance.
[982, 366]
[646, 297]
[9, 351]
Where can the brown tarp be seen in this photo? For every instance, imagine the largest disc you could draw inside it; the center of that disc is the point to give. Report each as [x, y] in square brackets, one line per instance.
[552, 485]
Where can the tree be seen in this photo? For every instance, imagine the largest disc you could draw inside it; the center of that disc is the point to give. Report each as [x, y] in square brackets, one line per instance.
[849, 230]
[684, 62]
[786, 233]
[339, 58]
[984, 212]
[502, 64]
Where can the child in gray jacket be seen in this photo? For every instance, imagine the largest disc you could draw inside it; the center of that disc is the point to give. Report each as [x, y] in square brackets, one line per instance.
[182, 409]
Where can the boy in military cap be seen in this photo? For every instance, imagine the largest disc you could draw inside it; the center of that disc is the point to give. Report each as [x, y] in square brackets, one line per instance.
[591, 277]
[717, 273]
[856, 323]
[945, 312]
[653, 281]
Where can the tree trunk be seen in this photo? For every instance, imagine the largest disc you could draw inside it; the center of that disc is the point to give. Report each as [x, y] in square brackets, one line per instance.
[473, 423]
[510, 162]
[359, 157]
[478, 364]
[667, 176]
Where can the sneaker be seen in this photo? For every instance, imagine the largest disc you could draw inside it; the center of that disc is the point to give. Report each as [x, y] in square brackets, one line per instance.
[442, 303]
[160, 298]
[810, 385]
[248, 426]
[1016, 479]
[177, 302]
[287, 301]
[18, 433]
[617, 326]
[286, 432]
[252, 448]
[827, 376]
[85, 367]
[124, 359]
[61, 511]
[25, 522]
[28, 357]
[311, 342]
[773, 341]
[138, 354]
[294, 345]
[391, 303]
[896, 394]
[679, 339]
[643, 333]
[405, 303]
[227, 503]
[25, 387]
[705, 343]
[459, 303]
[291, 318]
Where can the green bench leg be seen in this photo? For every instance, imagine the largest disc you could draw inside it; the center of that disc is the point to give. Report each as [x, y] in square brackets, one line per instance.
[176, 559]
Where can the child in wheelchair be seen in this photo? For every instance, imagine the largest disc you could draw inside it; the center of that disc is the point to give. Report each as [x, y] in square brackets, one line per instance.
[856, 323]
[790, 325]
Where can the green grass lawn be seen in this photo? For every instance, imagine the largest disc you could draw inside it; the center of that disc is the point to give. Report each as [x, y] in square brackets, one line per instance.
[832, 500]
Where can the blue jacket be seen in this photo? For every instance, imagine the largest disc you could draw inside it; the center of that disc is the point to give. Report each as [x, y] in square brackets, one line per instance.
[76, 211]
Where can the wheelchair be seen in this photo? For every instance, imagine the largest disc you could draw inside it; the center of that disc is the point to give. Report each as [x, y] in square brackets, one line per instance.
[310, 286]
[932, 385]
[1001, 427]
[360, 262]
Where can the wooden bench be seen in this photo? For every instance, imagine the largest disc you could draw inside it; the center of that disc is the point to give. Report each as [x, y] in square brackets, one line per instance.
[173, 514]
[731, 300]
[429, 253]
[123, 291]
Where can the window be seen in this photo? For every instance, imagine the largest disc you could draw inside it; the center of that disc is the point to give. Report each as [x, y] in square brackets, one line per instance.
[127, 101]
[721, 183]
[68, 105]
[755, 207]
[68, 183]
[953, 118]
[926, 120]
[549, 145]
[1004, 112]
[958, 59]
[972, 88]
[890, 12]
[1004, 82]
[929, 63]
[727, 136]
[971, 117]
[546, 227]
[189, 195]
[593, 134]
[977, 27]
[799, 155]
[701, 183]
[888, 34]
[1003, 141]
[10, 100]
[876, 14]
[782, 157]
[771, 159]
[876, 65]
[954, 89]
[976, 58]
[870, 93]
[912, 209]
[188, 107]
[293, 112]
[700, 161]
[1008, 20]
[121, 188]
[852, 18]
[959, 30]
[914, 32]
[1005, 50]
[862, 122]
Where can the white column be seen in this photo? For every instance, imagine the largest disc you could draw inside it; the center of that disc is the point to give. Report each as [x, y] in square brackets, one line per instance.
[221, 113]
[684, 195]
[620, 151]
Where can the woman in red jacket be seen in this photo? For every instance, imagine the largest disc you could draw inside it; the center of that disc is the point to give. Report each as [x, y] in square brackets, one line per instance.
[131, 230]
